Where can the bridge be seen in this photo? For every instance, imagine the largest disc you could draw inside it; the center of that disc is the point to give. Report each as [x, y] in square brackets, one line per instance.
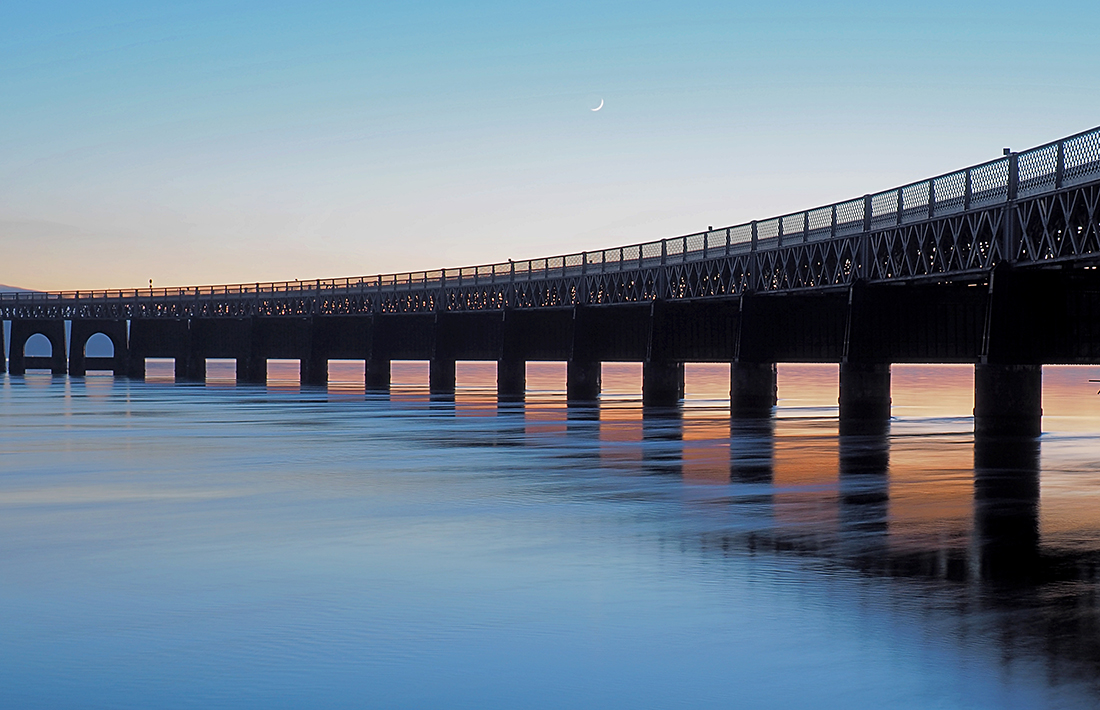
[994, 264]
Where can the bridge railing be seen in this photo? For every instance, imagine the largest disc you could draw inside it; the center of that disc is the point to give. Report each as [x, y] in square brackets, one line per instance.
[1046, 168]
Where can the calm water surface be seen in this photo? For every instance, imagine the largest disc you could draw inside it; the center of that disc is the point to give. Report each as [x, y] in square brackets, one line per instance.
[186, 545]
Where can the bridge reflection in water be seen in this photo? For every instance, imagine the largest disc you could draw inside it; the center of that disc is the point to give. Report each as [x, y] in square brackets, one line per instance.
[968, 519]
[990, 545]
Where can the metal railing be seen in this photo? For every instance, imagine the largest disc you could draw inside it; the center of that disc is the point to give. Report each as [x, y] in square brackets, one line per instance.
[1047, 168]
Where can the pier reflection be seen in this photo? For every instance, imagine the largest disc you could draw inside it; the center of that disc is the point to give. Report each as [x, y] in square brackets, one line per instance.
[752, 450]
[958, 517]
[1006, 508]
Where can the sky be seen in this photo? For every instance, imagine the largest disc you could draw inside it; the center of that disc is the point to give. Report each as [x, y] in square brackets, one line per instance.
[222, 142]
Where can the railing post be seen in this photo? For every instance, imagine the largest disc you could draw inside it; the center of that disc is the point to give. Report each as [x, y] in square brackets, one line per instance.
[584, 278]
[1010, 222]
[664, 251]
[1013, 176]
[931, 198]
[754, 260]
[1060, 166]
[863, 269]
[779, 233]
[727, 241]
[832, 228]
[967, 189]
[806, 226]
[901, 205]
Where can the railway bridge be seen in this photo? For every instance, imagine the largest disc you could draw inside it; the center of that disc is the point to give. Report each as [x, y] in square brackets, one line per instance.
[994, 265]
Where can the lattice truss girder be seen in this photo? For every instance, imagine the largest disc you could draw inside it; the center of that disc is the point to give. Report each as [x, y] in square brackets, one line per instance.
[810, 265]
[1059, 226]
[961, 243]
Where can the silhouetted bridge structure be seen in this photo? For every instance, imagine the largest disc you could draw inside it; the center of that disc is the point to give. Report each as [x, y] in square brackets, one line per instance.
[995, 265]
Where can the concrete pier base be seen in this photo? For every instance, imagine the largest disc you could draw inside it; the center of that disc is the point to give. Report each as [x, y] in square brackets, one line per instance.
[511, 380]
[662, 383]
[753, 391]
[377, 374]
[864, 398]
[252, 370]
[1008, 400]
[135, 368]
[582, 381]
[313, 371]
[194, 369]
[441, 375]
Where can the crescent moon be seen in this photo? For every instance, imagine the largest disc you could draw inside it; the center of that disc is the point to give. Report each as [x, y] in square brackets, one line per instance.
[599, 107]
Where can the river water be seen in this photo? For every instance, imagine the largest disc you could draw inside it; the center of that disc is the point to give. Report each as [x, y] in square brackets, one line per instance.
[211, 545]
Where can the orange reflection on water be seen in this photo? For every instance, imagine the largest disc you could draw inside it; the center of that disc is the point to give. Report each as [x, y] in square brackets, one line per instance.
[160, 369]
[475, 388]
[409, 381]
[221, 372]
[706, 450]
[284, 375]
[541, 419]
[546, 376]
[346, 377]
[806, 470]
[931, 492]
[621, 433]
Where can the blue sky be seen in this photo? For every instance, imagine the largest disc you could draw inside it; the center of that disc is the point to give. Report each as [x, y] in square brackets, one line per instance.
[224, 142]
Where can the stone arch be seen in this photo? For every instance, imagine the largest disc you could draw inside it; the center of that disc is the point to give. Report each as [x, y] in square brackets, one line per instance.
[23, 332]
[91, 332]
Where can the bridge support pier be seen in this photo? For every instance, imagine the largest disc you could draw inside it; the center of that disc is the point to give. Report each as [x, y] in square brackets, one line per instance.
[1008, 400]
[313, 370]
[662, 383]
[511, 380]
[441, 375]
[864, 398]
[377, 374]
[79, 334]
[3, 351]
[753, 391]
[21, 332]
[194, 368]
[252, 369]
[582, 380]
